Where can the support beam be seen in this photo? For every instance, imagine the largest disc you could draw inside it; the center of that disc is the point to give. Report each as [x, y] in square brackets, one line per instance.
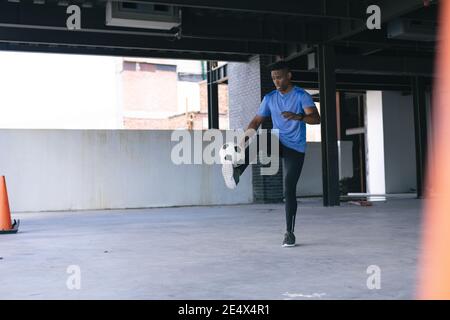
[420, 126]
[357, 82]
[385, 65]
[353, 78]
[330, 159]
[213, 97]
[371, 39]
[352, 87]
[135, 42]
[120, 52]
[378, 65]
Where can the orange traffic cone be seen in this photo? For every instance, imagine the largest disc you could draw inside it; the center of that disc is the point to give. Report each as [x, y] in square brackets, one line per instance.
[5, 215]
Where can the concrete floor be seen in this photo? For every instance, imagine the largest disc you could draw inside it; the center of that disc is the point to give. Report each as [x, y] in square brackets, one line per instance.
[229, 252]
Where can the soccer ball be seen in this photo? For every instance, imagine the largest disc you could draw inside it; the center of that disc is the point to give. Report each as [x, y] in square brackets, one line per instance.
[231, 153]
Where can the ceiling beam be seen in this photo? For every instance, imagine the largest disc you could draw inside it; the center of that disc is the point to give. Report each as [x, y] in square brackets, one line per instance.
[353, 79]
[379, 38]
[119, 52]
[381, 65]
[352, 87]
[135, 42]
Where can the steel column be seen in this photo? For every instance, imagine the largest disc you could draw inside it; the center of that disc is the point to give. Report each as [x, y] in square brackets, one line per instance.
[330, 164]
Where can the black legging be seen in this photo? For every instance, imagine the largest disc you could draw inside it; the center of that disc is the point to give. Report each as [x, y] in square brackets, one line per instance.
[293, 164]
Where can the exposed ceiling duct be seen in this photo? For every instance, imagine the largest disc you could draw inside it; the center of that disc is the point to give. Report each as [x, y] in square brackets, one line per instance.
[140, 15]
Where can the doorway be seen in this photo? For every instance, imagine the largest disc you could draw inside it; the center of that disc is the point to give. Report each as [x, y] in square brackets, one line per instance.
[351, 134]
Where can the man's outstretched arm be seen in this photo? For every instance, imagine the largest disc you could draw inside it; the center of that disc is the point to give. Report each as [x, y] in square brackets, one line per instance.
[255, 123]
[311, 115]
[252, 128]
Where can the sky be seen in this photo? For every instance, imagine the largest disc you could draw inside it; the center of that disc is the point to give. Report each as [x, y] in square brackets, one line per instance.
[57, 91]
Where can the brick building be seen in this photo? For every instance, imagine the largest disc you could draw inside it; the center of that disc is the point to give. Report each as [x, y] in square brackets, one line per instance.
[167, 94]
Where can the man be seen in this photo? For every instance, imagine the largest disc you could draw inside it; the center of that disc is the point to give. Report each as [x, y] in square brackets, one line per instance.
[290, 108]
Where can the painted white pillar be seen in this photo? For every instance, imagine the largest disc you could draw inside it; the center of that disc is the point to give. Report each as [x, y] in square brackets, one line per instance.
[375, 173]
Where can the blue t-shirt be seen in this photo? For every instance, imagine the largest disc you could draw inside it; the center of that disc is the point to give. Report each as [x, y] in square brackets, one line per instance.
[292, 133]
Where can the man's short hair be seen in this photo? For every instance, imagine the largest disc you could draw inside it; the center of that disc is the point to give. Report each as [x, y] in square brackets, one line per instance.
[279, 65]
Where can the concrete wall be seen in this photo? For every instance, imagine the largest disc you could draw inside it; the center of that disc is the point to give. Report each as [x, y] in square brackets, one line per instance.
[98, 169]
[399, 142]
